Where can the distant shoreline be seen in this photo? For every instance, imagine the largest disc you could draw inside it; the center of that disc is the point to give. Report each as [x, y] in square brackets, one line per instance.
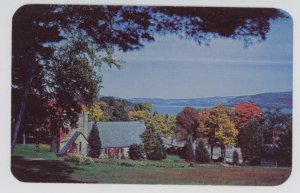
[281, 100]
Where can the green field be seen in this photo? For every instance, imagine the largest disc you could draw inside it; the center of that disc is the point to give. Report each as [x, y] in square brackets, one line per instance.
[43, 166]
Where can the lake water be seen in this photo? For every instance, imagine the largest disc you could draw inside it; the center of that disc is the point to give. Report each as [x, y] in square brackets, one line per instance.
[175, 109]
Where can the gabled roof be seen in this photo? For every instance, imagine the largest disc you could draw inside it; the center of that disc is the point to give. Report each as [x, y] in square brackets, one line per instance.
[69, 143]
[119, 134]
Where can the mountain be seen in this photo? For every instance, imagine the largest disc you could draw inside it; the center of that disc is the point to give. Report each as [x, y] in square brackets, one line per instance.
[264, 100]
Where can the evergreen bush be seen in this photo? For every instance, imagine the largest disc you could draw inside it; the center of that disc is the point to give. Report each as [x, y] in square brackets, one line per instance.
[235, 157]
[135, 152]
[153, 144]
[94, 142]
[201, 153]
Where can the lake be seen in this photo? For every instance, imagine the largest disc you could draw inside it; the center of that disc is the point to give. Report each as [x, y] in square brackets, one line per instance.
[175, 109]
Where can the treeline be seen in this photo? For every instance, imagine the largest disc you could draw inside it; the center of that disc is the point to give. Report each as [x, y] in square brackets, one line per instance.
[246, 126]
[114, 109]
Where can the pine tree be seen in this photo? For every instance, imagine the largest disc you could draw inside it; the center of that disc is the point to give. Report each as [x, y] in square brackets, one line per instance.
[153, 144]
[201, 153]
[136, 152]
[94, 142]
[235, 157]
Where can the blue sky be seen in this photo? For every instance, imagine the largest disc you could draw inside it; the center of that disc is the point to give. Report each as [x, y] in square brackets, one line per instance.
[174, 68]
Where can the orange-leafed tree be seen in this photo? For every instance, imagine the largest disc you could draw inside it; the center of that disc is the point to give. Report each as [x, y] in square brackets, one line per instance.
[244, 112]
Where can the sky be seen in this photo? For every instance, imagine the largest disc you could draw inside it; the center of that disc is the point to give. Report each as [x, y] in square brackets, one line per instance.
[173, 68]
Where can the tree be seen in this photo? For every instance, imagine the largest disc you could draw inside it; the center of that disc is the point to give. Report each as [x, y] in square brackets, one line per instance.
[235, 157]
[284, 142]
[252, 141]
[38, 28]
[153, 145]
[206, 129]
[119, 113]
[275, 122]
[171, 125]
[27, 50]
[160, 125]
[202, 155]
[140, 116]
[52, 74]
[94, 112]
[115, 109]
[164, 126]
[244, 112]
[217, 125]
[94, 142]
[186, 128]
[144, 106]
[136, 152]
[70, 83]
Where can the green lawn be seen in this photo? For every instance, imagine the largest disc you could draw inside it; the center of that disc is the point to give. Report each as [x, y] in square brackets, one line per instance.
[30, 151]
[173, 170]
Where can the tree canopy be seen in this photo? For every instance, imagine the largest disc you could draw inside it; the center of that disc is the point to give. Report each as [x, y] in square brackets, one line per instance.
[275, 122]
[95, 113]
[187, 123]
[244, 112]
[252, 141]
[217, 125]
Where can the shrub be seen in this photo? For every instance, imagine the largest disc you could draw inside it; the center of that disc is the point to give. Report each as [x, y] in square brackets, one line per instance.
[86, 161]
[94, 142]
[174, 150]
[201, 153]
[235, 157]
[135, 152]
[79, 159]
[158, 153]
[71, 158]
[171, 150]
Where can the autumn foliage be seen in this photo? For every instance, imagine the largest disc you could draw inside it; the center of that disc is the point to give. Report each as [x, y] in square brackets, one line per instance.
[244, 112]
[187, 122]
[217, 126]
[186, 128]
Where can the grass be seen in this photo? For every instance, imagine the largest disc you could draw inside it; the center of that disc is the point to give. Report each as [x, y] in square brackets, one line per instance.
[30, 151]
[199, 175]
[172, 170]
